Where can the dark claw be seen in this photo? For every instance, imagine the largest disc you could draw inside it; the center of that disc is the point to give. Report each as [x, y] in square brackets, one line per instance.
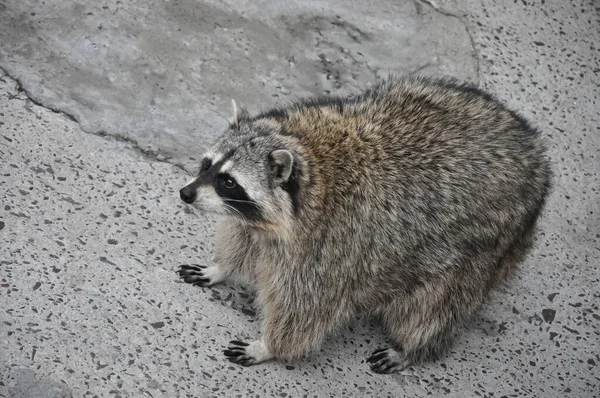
[377, 355]
[194, 267]
[234, 353]
[379, 350]
[381, 361]
[194, 274]
[241, 360]
[190, 272]
[385, 368]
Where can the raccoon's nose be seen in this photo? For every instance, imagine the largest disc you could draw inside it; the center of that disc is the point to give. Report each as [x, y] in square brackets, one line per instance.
[187, 194]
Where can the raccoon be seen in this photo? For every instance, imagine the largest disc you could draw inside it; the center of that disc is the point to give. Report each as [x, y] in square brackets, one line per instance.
[409, 202]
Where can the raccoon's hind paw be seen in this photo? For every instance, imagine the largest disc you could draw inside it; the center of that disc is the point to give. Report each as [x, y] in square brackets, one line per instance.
[200, 275]
[387, 360]
[247, 354]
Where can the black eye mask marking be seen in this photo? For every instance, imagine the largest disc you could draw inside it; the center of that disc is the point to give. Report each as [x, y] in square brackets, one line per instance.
[235, 196]
[209, 171]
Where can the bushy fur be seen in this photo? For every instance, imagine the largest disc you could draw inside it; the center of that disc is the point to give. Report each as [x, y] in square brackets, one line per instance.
[409, 202]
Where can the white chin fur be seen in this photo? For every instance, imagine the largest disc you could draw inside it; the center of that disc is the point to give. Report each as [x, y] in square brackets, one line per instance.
[207, 200]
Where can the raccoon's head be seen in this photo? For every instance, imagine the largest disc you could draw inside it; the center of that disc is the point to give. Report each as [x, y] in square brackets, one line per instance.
[251, 173]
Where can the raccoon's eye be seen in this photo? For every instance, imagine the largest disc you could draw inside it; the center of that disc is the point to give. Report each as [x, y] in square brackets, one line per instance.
[229, 183]
[206, 163]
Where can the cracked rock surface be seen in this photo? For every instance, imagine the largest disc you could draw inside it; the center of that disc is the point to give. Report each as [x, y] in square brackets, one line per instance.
[162, 74]
[92, 231]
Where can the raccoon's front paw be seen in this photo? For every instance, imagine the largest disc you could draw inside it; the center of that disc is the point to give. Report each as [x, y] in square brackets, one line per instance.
[201, 275]
[247, 354]
[387, 360]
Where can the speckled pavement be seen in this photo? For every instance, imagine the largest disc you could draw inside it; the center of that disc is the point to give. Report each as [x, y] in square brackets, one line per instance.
[92, 232]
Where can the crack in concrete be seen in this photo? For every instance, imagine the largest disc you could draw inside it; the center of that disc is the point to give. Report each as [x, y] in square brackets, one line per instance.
[447, 13]
[154, 156]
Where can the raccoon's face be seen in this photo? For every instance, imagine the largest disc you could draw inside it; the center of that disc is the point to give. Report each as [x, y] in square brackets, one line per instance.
[247, 176]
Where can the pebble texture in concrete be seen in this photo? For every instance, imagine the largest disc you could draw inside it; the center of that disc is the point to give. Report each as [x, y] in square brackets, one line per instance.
[92, 231]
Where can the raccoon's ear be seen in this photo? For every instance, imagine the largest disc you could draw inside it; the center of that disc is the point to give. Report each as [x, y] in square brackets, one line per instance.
[281, 163]
[238, 114]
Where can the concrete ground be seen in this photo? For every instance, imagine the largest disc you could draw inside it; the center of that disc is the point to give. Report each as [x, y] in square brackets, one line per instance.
[105, 105]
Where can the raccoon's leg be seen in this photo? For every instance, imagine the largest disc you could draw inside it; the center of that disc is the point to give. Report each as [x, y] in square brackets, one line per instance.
[291, 329]
[285, 337]
[422, 326]
[235, 252]
[515, 254]
[415, 336]
[406, 352]
[234, 259]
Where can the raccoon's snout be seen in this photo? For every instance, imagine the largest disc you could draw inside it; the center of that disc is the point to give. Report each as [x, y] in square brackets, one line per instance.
[187, 194]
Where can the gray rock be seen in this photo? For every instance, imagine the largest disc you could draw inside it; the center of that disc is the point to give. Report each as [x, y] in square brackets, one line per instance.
[162, 74]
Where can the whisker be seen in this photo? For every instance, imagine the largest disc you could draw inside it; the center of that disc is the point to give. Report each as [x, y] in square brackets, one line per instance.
[239, 200]
[234, 211]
